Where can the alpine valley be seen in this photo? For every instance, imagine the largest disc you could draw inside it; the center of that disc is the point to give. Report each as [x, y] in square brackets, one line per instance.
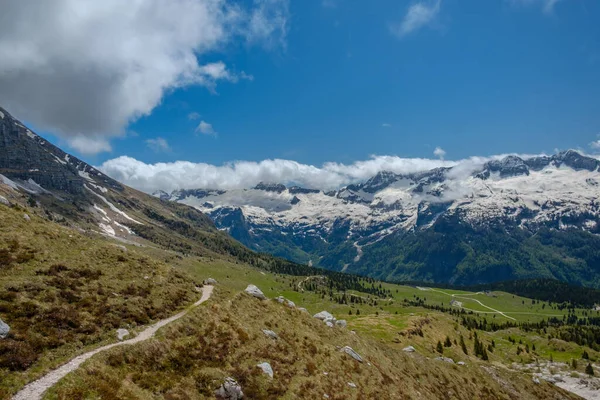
[505, 218]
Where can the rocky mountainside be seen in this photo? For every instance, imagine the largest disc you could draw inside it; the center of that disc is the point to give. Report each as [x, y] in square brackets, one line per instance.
[432, 225]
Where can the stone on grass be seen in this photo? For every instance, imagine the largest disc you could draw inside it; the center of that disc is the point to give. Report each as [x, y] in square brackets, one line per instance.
[210, 281]
[270, 333]
[230, 390]
[27, 217]
[4, 329]
[445, 359]
[290, 303]
[266, 368]
[252, 290]
[461, 363]
[324, 316]
[536, 380]
[341, 323]
[352, 384]
[350, 351]
[121, 333]
[329, 323]
[4, 201]
[409, 349]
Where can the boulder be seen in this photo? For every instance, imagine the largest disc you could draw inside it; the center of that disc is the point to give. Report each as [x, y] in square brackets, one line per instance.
[4, 329]
[461, 363]
[350, 351]
[270, 334]
[279, 299]
[445, 359]
[535, 380]
[229, 390]
[266, 368]
[352, 385]
[324, 316]
[252, 290]
[27, 217]
[121, 333]
[341, 323]
[4, 201]
[329, 324]
[210, 281]
[290, 303]
[302, 309]
[409, 349]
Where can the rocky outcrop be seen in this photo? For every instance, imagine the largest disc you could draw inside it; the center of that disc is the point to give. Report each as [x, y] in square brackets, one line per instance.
[229, 390]
[266, 369]
[445, 359]
[4, 201]
[341, 323]
[210, 281]
[409, 349]
[254, 291]
[350, 351]
[269, 333]
[324, 316]
[4, 329]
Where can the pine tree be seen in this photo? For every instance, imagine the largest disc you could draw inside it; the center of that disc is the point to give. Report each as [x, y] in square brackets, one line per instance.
[589, 370]
[439, 347]
[463, 345]
[585, 355]
[574, 364]
[484, 355]
[448, 342]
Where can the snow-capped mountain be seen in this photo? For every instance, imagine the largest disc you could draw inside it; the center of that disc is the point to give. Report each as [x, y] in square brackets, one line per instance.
[560, 192]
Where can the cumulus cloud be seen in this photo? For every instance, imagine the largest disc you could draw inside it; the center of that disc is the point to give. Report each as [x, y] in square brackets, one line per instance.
[159, 145]
[85, 69]
[205, 128]
[386, 125]
[246, 174]
[595, 145]
[439, 152]
[417, 16]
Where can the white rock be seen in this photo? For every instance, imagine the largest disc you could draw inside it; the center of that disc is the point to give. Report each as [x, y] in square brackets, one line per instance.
[4, 329]
[290, 303]
[252, 290]
[461, 363]
[302, 309]
[350, 351]
[341, 323]
[325, 396]
[536, 380]
[121, 333]
[352, 384]
[210, 281]
[271, 334]
[279, 299]
[329, 324]
[324, 316]
[445, 359]
[4, 201]
[266, 368]
[27, 217]
[409, 349]
[230, 390]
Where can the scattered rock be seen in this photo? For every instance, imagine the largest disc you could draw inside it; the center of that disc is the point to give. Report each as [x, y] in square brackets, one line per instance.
[352, 384]
[210, 281]
[4, 329]
[445, 359]
[341, 323]
[325, 396]
[461, 363]
[558, 378]
[252, 290]
[324, 316]
[536, 380]
[266, 368]
[549, 378]
[271, 334]
[4, 201]
[302, 309]
[230, 390]
[290, 303]
[121, 333]
[409, 349]
[350, 351]
[146, 277]
[329, 324]
[279, 299]
[27, 217]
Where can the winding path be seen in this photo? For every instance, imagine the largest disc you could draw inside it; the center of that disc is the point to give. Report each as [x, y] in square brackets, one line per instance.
[461, 296]
[36, 389]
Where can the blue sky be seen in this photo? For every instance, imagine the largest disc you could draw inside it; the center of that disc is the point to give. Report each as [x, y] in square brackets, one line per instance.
[343, 80]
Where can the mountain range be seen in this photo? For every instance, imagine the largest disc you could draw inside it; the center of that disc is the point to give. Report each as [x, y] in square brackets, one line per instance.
[507, 218]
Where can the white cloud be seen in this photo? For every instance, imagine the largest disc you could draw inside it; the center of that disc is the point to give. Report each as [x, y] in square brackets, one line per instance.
[547, 5]
[193, 116]
[89, 144]
[386, 125]
[245, 174]
[439, 153]
[159, 145]
[417, 16]
[205, 128]
[88, 68]
[595, 145]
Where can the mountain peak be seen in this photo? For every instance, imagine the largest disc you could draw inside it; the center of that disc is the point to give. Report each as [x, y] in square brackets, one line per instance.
[270, 187]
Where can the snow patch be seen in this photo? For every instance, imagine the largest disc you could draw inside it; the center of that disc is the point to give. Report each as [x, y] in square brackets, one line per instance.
[112, 206]
[30, 134]
[107, 229]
